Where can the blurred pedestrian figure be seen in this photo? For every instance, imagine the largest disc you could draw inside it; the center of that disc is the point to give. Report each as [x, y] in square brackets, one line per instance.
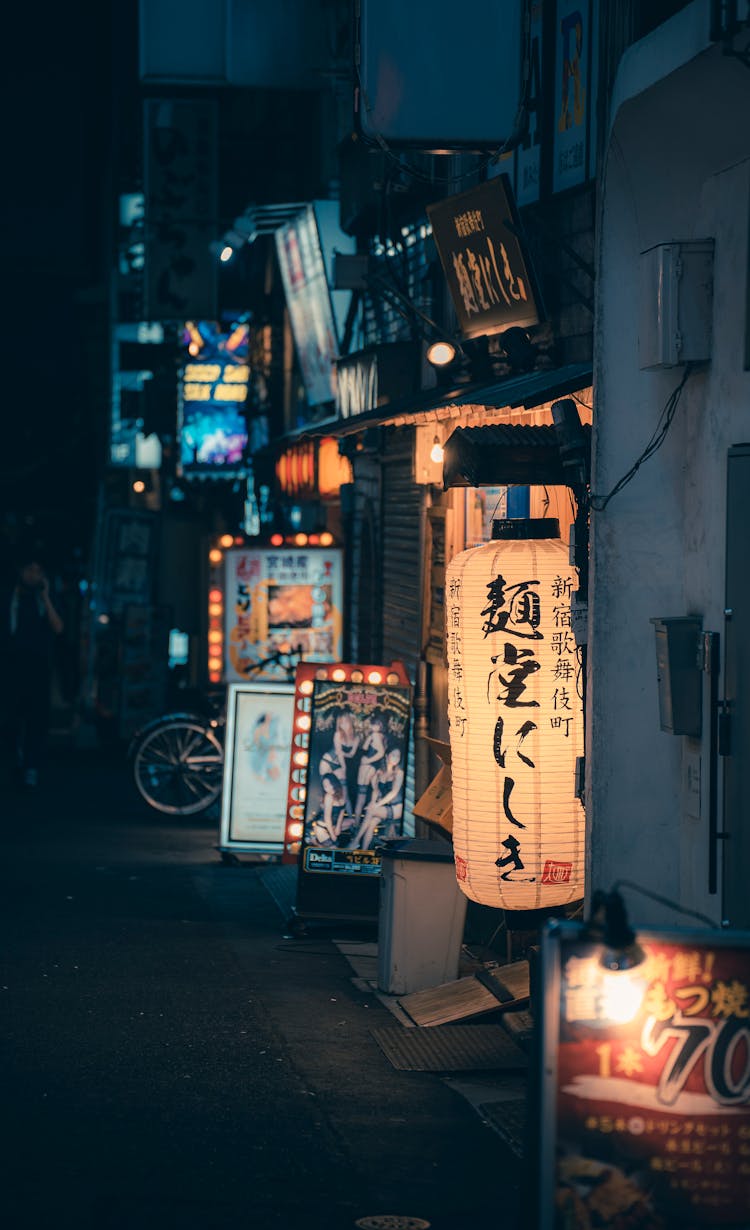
[31, 624]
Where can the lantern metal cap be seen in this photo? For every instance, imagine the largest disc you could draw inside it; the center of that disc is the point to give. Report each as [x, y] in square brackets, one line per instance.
[525, 527]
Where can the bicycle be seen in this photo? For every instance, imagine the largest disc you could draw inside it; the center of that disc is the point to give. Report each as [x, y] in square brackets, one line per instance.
[178, 759]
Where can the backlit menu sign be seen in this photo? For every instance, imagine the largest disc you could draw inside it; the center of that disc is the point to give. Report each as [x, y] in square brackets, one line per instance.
[278, 598]
[646, 1102]
[488, 273]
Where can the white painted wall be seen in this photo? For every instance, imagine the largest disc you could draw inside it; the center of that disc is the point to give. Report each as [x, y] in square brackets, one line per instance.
[677, 168]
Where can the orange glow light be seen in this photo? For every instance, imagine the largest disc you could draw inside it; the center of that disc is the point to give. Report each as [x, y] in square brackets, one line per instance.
[326, 539]
[214, 664]
[277, 540]
[300, 540]
[304, 721]
[374, 677]
[339, 675]
[215, 556]
[357, 676]
[226, 541]
[215, 638]
[215, 676]
[215, 595]
[300, 758]
[306, 687]
[215, 608]
[314, 540]
[296, 829]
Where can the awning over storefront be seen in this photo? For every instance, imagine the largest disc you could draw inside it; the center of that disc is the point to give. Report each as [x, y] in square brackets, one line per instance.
[436, 405]
[504, 453]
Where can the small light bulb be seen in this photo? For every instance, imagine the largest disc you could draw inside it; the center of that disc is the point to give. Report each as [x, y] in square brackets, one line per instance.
[139, 486]
[437, 452]
[226, 254]
[440, 354]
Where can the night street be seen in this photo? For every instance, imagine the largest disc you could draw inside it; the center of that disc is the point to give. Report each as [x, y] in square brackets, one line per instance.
[172, 1061]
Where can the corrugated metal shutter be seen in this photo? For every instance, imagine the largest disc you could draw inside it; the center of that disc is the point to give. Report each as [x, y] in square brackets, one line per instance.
[402, 521]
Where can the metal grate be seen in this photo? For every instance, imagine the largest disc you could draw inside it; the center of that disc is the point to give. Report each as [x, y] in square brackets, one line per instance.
[403, 276]
[392, 1221]
[449, 1048]
[281, 884]
[508, 1118]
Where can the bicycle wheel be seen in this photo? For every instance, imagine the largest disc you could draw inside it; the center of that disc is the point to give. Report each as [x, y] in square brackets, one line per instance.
[178, 767]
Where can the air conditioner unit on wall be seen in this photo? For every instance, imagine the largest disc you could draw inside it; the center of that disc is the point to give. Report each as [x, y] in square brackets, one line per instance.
[676, 297]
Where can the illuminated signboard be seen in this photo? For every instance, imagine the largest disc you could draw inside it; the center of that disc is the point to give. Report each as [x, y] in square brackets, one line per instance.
[213, 430]
[269, 599]
[346, 783]
[488, 271]
[645, 1113]
[256, 766]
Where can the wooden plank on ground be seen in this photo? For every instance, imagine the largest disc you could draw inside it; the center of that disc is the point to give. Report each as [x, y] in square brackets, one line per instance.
[453, 1001]
[510, 983]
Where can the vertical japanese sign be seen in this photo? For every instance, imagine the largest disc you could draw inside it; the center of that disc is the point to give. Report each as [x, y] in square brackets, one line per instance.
[281, 597]
[574, 82]
[646, 1091]
[528, 156]
[308, 300]
[126, 566]
[180, 176]
[489, 276]
[516, 724]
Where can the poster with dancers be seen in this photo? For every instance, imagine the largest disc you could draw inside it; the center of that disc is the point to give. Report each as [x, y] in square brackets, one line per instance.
[356, 774]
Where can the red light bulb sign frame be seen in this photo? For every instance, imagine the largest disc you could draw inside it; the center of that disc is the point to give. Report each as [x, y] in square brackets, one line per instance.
[233, 599]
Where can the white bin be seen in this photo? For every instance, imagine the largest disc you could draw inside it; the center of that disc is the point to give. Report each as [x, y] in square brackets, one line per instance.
[421, 919]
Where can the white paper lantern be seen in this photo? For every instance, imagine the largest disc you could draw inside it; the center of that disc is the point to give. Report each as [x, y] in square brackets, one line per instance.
[516, 720]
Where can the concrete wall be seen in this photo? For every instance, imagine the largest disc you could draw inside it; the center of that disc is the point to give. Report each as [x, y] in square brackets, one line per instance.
[677, 168]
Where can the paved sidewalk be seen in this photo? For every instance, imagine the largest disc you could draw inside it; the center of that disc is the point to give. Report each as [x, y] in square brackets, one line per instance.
[498, 1096]
[173, 1062]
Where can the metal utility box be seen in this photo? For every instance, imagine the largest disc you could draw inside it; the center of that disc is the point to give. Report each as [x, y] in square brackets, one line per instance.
[422, 916]
[679, 675]
[676, 300]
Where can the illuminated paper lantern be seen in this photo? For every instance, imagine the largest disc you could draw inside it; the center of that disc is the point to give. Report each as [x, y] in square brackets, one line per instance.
[516, 721]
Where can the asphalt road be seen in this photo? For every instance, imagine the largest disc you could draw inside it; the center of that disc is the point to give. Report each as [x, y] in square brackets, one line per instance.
[171, 1061]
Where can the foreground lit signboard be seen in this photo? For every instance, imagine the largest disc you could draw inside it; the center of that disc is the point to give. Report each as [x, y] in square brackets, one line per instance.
[346, 782]
[645, 1109]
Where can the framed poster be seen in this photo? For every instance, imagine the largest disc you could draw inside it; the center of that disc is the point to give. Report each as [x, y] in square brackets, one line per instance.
[645, 1076]
[256, 766]
[281, 597]
[346, 783]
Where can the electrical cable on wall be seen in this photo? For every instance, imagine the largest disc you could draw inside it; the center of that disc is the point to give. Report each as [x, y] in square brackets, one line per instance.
[599, 503]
